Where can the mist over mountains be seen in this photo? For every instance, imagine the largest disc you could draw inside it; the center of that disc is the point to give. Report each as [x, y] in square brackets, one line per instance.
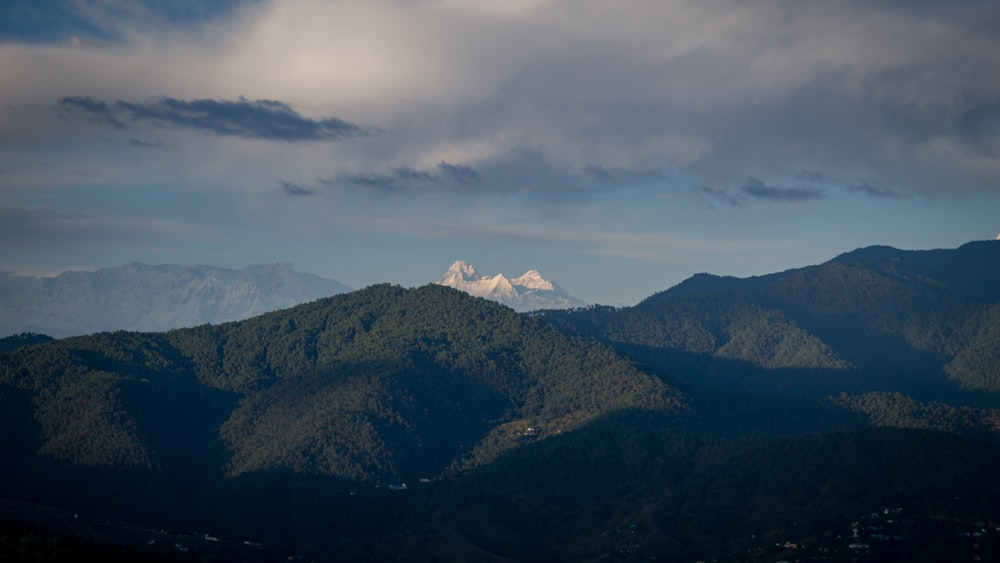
[847, 411]
[141, 297]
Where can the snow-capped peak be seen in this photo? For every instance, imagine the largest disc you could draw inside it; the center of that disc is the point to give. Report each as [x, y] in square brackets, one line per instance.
[526, 293]
[533, 280]
[460, 271]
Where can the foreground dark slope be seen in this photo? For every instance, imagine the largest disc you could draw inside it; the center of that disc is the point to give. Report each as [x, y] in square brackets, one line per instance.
[925, 323]
[633, 486]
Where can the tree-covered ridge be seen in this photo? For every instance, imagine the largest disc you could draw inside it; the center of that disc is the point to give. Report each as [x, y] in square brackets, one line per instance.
[971, 269]
[724, 325]
[977, 365]
[922, 316]
[87, 395]
[875, 319]
[381, 383]
[16, 341]
[902, 411]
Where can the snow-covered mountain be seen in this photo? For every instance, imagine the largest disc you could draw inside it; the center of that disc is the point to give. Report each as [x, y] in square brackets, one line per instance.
[529, 292]
[151, 298]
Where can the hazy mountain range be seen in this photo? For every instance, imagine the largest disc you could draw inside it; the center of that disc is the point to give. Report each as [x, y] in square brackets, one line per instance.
[141, 297]
[529, 292]
[848, 411]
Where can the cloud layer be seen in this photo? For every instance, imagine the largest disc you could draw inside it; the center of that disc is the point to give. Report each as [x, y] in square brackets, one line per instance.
[717, 90]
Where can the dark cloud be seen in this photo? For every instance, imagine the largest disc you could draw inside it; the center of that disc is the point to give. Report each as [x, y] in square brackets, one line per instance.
[458, 173]
[602, 174]
[813, 176]
[755, 188]
[597, 172]
[404, 173]
[720, 195]
[295, 189]
[872, 190]
[156, 144]
[102, 21]
[96, 110]
[396, 179]
[377, 181]
[258, 119]
[979, 126]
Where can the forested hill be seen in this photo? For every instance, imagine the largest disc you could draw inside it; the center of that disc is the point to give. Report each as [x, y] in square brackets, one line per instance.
[971, 269]
[380, 384]
[925, 323]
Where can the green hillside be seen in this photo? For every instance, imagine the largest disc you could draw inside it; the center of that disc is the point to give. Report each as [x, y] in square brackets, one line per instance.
[381, 384]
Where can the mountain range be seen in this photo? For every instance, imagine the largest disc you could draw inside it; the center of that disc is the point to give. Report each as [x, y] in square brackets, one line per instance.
[151, 298]
[847, 411]
[529, 292]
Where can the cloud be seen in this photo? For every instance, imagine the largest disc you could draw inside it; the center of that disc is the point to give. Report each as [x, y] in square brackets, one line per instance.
[757, 189]
[396, 179]
[24, 223]
[142, 144]
[102, 21]
[872, 190]
[664, 246]
[445, 178]
[813, 176]
[377, 181]
[295, 189]
[259, 119]
[704, 93]
[597, 172]
[405, 173]
[719, 195]
[620, 174]
[980, 127]
[96, 110]
[463, 175]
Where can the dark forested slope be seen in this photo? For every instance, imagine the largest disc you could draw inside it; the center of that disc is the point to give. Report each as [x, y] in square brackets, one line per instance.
[925, 323]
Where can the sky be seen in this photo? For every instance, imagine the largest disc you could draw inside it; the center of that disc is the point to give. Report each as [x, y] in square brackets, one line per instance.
[617, 147]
